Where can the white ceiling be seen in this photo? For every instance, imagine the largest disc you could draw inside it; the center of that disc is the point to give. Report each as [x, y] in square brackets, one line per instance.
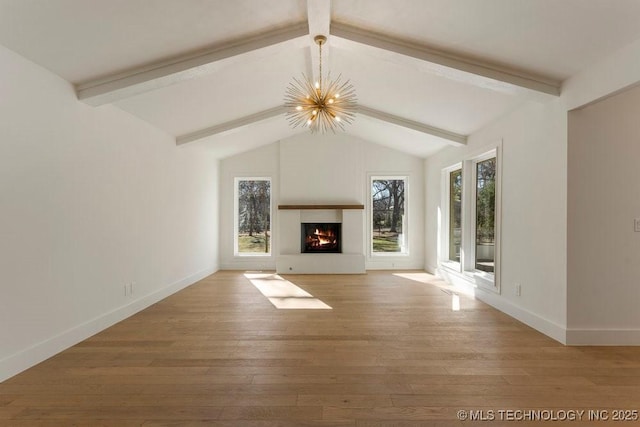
[82, 40]
[554, 38]
[390, 60]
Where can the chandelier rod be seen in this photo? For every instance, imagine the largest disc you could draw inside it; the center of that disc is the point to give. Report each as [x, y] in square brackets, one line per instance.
[320, 40]
[320, 48]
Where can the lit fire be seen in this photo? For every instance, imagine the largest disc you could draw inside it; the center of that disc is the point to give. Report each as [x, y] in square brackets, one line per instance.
[327, 238]
[321, 238]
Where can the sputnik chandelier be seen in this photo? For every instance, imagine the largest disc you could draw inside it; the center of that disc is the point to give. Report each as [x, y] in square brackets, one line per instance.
[326, 105]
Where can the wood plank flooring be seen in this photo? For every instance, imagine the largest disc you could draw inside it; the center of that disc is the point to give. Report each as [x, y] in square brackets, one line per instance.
[390, 352]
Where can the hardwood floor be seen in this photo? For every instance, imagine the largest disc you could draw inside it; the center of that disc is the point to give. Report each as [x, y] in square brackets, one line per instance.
[390, 352]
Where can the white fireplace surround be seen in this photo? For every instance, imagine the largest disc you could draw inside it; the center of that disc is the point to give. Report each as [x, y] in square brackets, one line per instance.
[291, 260]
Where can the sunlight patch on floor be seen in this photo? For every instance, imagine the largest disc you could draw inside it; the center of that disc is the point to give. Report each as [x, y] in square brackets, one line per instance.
[283, 294]
[432, 280]
[455, 302]
[425, 278]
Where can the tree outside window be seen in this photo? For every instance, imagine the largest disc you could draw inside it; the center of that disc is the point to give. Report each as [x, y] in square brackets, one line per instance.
[253, 217]
[470, 225]
[455, 215]
[388, 215]
[485, 214]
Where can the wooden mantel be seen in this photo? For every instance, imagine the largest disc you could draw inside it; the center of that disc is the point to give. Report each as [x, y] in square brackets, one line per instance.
[305, 207]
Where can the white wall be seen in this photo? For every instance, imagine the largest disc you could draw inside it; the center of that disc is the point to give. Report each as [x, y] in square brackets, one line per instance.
[322, 169]
[603, 313]
[604, 251]
[90, 199]
[580, 289]
[533, 245]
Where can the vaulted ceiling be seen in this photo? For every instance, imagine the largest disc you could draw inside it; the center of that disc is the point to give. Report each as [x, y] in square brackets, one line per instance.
[427, 72]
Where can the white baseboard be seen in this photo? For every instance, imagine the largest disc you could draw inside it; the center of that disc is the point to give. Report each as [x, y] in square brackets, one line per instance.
[567, 336]
[31, 356]
[393, 263]
[431, 269]
[250, 263]
[545, 326]
[603, 337]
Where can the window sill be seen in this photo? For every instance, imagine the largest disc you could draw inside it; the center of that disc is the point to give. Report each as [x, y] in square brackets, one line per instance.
[476, 278]
[252, 255]
[485, 281]
[381, 255]
[455, 271]
[451, 266]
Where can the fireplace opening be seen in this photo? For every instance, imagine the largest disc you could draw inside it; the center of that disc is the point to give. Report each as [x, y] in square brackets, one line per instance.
[321, 237]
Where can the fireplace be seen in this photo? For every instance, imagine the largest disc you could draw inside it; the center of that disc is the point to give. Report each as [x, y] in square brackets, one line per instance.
[322, 237]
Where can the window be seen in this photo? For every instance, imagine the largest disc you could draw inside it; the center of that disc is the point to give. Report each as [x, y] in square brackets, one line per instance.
[485, 213]
[455, 215]
[470, 225]
[388, 215]
[252, 216]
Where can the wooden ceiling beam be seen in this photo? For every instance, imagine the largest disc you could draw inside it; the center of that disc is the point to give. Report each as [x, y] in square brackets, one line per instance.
[454, 63]
[230, 125]
[451, 137]
[133, 82]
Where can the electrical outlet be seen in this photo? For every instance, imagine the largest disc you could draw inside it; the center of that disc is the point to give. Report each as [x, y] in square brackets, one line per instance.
[636, 225]
[518, 289]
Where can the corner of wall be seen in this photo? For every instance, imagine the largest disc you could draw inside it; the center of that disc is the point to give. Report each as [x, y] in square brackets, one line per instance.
[615, 73]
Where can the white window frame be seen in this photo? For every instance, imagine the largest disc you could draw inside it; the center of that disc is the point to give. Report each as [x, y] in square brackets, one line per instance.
[446, 204]
[236, 206]
[405, 225]
[483, 279]
[466, 268]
